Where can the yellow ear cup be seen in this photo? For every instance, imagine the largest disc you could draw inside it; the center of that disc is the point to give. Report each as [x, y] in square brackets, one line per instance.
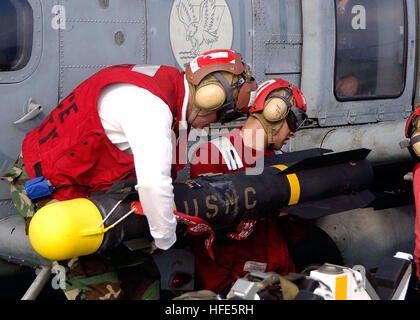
[210, 97]
[275, 110]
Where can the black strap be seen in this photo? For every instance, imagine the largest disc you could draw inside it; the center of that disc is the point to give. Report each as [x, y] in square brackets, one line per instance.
[38, 173]
[38, 170]
[409, 143]
[174, 117]
[227, 112]
[284, 98]
[228, 89]
[72, 185]
[414, 140]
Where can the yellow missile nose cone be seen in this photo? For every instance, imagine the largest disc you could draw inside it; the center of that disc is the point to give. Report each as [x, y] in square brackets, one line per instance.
[58, 231]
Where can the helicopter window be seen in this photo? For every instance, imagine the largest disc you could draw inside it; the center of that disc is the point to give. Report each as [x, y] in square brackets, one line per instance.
[16, 34]
[370, 49]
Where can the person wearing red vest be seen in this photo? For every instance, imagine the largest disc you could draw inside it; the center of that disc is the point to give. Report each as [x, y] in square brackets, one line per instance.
[124, 122]
[278, 111]
[129, 121]
[412, 132]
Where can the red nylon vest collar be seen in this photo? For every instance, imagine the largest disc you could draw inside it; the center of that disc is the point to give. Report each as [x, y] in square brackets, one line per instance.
[71, 145]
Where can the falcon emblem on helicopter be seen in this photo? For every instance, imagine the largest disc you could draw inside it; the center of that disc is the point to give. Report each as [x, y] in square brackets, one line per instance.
[199, 28]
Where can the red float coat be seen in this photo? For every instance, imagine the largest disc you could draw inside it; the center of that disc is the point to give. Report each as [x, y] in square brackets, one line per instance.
[265, 249]
[71, 145]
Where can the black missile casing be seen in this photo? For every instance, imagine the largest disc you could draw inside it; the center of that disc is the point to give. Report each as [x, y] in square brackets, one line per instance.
[222, 199]
[225, 200]
[133, 227]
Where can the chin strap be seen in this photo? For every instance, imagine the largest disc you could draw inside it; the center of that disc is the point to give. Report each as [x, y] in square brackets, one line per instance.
[193, 115]
[227, 111]
[194, 109]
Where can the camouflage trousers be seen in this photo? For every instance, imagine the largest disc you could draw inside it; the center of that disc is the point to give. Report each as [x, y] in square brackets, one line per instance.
[17, 176]
[117, 274]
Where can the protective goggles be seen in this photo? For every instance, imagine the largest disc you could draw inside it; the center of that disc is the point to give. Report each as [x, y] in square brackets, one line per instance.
[296, 115]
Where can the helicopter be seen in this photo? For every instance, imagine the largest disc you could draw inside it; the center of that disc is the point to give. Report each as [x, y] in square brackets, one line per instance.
[355, 61]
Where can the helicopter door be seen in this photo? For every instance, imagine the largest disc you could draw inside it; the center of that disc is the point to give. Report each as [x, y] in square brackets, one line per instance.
[358, 60]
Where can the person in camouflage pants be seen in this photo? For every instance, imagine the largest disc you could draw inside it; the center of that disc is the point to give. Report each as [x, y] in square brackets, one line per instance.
[17, 176]
[114, 275]
[111, 276]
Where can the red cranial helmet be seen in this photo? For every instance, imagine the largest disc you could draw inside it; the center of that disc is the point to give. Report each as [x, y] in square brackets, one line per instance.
[277, 112]
[214, 62]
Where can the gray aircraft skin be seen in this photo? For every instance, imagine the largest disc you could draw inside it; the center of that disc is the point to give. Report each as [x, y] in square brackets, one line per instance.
[355, 61]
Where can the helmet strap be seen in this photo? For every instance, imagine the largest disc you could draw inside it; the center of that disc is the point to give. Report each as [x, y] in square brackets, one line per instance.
[196, 110]
[226, 87]
[193, 114]
[270, 128]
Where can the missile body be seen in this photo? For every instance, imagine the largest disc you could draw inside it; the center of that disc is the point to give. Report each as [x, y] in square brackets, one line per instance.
[221, 200]
[224, 199]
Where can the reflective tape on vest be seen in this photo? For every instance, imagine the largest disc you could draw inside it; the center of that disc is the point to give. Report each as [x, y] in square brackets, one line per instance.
[229, 153]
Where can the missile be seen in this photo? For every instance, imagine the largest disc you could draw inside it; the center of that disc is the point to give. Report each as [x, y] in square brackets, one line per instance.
[308, 184]
[222, 200]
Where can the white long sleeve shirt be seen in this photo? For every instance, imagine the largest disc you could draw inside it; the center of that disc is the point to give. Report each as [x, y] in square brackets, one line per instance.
[138, 122]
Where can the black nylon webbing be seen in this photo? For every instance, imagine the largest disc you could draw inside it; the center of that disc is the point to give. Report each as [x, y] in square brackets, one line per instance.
[38, 170]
